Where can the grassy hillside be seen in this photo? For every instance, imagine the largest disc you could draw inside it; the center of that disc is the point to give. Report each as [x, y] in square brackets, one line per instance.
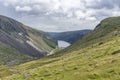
[100, 62]
[106, 29]
[96, 59]
[20, 43]
[42, 38]
[10, 56]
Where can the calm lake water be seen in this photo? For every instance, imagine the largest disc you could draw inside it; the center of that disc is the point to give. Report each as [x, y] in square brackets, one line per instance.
[63, 44]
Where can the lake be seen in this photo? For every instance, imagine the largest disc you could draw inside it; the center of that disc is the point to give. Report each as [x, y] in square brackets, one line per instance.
[63, 44]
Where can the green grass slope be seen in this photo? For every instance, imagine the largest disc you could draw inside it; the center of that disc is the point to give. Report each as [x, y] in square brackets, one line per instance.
[20, 43]
[99, 60]
[107, 28]
[42, 39]
[10, 56]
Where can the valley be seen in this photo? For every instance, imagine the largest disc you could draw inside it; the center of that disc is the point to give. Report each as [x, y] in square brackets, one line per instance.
[59, 39]
[94, 57]
[69, 36]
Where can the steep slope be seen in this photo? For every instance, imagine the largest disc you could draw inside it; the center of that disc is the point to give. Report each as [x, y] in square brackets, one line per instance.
[99, 60]
[105, 30]
[18, 39]
[69, 36]
[98, 63]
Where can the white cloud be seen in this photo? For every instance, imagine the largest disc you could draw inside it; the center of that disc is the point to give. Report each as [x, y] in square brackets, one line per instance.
[91, 2]
[63, 14]
[91, 18]
[11, 2]
[48, 6]
[116, 11]
[86, 15]
[80, 15]
[24, 8]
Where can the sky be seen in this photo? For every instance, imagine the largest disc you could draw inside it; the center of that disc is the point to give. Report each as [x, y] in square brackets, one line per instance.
[60, 15]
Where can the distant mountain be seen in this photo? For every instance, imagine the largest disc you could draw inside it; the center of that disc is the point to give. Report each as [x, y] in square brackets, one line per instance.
[69, 36]
[19, 42]
[108, 28]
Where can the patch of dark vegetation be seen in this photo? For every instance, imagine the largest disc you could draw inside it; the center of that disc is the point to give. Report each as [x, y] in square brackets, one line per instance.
[47, 74]
[113, 61]
[100, 43]
[111, 71]
[116, 52]
[93, 76]
[75, 68]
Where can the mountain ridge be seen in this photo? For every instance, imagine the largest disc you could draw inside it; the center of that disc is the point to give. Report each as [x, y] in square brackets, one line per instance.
[24, 39]
[103, 31]
[69, 36]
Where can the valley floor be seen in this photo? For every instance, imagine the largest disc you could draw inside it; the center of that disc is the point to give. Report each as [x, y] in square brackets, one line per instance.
[96, 62]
